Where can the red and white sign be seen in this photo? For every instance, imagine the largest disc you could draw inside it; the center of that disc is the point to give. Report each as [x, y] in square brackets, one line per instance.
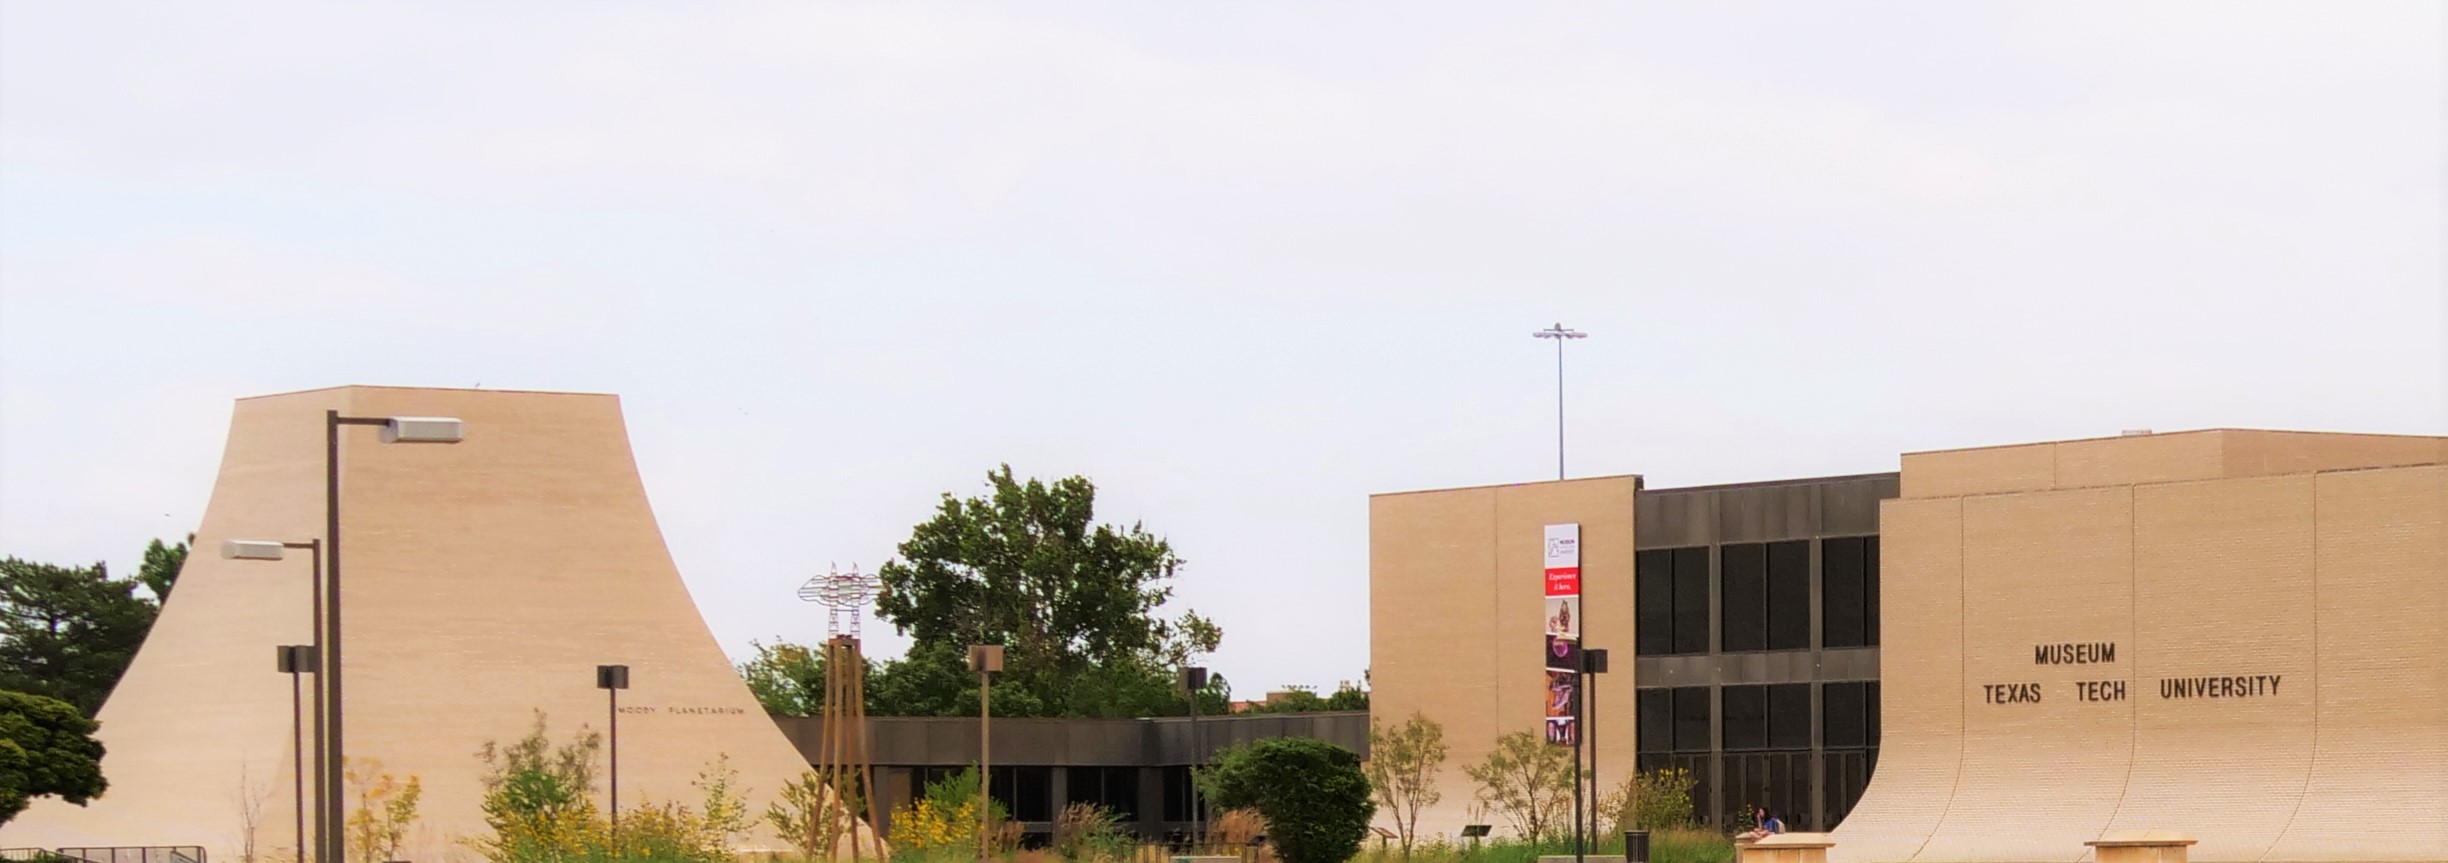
[1563, 560]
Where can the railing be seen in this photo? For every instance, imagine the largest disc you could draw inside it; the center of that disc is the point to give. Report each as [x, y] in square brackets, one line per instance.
[34, 854]
[137, 854]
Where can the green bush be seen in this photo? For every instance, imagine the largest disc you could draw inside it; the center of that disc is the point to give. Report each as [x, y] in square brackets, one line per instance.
[1315, 798]
[1089, 833]
[1652, 800]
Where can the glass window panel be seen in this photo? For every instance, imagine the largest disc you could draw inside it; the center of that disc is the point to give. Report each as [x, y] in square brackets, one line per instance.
[1691, 602]
[1841, 601]
[1691, 707]
[1122, 792]
[1742, 596]
[1746, 717]
[1789, 716]
[1789, 595]
[1656, 720]
[1870, 707]
[1870, 590]
[1177, 794]
[1843, 718]
[1653, 602]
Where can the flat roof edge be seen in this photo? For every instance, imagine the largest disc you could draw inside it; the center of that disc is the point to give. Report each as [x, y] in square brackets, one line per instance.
[1774, 483]
[426, 389]
[1634, 477]
[2440, 438]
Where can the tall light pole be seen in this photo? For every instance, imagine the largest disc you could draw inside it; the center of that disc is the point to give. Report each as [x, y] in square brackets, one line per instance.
[612, 679]
[1559, 334]
[985, 659]
[1194, 679]
[394, 430]
[1593, 663]
[293, 660]
[293, 663]
[330, 844]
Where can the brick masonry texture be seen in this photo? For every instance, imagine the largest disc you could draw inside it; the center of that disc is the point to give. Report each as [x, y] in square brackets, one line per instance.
[2317, 560]
[484, 582]
[1455, 600]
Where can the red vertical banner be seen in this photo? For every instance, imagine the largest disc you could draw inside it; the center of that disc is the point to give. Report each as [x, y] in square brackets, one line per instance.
[1560, 567]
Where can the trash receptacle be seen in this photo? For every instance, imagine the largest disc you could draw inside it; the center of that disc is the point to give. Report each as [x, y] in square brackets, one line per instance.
[1636, 846]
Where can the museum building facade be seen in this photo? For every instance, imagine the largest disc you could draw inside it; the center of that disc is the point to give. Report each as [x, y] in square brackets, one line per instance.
[1994, 653]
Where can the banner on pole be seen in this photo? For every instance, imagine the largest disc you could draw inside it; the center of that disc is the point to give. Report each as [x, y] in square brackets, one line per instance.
[1560, 568]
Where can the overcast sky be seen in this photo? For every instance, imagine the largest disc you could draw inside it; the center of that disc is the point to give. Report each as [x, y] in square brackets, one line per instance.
[1243, 264]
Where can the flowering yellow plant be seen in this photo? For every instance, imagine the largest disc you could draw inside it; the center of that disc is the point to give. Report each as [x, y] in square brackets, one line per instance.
[925, 825]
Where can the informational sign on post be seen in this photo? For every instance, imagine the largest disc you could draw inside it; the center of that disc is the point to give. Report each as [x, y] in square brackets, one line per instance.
[1561, 567]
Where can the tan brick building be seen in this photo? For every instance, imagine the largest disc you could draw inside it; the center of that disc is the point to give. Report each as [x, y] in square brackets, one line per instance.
[2238, 634]
[484, 580]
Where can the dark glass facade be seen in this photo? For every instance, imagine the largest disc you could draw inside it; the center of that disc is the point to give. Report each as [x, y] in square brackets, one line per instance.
[1756, 660]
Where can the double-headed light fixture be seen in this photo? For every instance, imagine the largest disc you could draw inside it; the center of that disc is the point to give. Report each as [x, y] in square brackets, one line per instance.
[325, 651]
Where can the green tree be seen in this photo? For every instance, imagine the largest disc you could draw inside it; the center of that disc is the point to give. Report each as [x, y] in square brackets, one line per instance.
[1027, 567]
[1300, 699]
[161, 568]
[538, 800]
[1312, 793]
[47, 749]
[1402, 768]
[789, 679]
[68, 632]
[1525, 781]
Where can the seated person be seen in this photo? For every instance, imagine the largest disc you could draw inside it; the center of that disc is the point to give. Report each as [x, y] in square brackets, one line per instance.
[1768, 825]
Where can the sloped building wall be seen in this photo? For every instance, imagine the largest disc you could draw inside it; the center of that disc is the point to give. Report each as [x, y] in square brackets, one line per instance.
[484, 581]
[2278, 683]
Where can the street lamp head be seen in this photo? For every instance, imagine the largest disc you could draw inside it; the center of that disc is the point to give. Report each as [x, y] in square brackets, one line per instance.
[422, 430]
[985, 658]
[251, 549]
[1559, 333]
[296, 658]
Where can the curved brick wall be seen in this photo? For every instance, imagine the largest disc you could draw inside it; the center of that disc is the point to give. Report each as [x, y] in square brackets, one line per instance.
[485, 580]
[2298, 622]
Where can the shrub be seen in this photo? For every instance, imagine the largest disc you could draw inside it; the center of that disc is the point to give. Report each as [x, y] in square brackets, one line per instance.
[1653, 800]
[1403, 764]
[1527, 782]
[1088, 833]
[1313, 794]
[811, 816]
[386, 808]
[539, 799]
[946, 819]
[540, 807]
[1233, 829]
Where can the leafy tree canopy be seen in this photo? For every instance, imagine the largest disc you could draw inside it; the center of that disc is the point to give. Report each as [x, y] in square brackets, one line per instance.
[69, 632]
[47, 749]
[934, 680]
[161, 568]
[1073, 602]
[1301, 700]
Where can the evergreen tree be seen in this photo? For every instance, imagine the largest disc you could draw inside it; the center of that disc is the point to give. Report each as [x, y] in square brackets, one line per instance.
[68, 632]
